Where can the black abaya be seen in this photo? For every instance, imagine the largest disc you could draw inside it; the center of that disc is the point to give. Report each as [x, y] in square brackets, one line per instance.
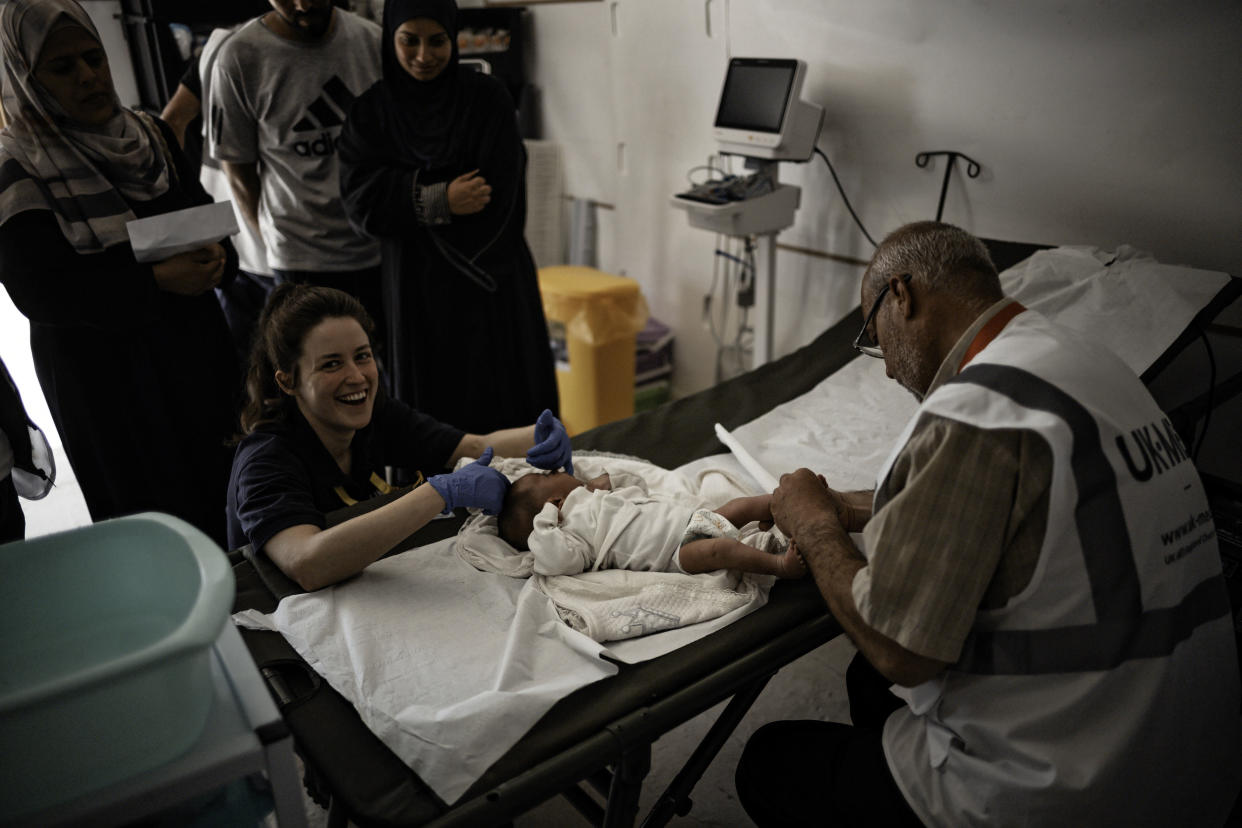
[458, 350]
[142, 384]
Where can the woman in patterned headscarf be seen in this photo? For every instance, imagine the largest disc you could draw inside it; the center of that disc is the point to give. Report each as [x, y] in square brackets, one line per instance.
[432, 164]
[134, 359]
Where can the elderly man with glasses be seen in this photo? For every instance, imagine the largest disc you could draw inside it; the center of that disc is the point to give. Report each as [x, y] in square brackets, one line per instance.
[1060, 643]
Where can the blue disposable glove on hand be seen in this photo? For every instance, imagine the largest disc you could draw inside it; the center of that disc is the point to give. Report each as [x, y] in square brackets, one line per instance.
[551, 450]
[476, 485]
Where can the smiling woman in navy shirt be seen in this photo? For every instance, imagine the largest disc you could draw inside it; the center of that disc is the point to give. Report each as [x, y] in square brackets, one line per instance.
[318, 435]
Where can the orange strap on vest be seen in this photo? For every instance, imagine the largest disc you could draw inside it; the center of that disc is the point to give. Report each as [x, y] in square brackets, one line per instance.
[990, 331]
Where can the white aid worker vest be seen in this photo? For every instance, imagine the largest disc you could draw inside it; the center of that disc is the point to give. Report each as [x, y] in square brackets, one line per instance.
[1106, 692]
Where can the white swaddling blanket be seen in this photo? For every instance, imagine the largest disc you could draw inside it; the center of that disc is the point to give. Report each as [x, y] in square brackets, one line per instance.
[616, 604]
[451, 666]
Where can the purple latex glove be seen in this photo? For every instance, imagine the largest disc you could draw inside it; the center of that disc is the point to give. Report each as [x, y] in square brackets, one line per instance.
[476, 485]
[551, 450]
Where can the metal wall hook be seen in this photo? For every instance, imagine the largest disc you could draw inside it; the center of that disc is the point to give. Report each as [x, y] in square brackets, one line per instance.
[972, 171]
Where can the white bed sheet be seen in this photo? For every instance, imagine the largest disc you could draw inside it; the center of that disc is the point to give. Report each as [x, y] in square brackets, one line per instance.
[450, 666]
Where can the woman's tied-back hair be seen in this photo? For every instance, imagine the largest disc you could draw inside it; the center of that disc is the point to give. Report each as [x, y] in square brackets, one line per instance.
[289, 315]
[940, 256]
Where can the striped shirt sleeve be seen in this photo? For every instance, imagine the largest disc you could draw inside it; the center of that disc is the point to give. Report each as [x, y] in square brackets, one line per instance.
[962, 529]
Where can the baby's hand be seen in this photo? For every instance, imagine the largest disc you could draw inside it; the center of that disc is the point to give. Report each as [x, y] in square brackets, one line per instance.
[601, 483]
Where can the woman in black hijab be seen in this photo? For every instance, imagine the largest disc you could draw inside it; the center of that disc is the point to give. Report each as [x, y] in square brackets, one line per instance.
[431, 163]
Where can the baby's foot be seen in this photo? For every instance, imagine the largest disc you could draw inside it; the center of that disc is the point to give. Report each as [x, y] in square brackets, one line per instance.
[792, 565]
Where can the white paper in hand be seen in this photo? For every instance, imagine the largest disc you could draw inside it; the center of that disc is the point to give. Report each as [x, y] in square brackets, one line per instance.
[158, 237]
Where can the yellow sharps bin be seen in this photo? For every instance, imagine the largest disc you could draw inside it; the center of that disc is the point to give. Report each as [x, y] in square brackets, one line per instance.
[593, 319]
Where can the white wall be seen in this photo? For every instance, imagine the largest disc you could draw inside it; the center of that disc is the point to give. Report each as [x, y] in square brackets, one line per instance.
[1096, 122]
[106, 15]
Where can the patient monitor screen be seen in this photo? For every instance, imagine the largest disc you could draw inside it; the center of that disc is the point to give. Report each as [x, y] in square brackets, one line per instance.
[755, 94]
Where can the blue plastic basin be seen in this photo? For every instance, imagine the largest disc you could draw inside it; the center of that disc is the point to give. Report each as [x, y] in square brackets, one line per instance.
[105, 648]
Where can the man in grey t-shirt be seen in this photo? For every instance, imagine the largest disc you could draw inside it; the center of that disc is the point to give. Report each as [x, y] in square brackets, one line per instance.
[279, 93]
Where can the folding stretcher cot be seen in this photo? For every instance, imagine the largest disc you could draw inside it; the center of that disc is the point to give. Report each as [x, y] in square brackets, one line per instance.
[601, 734]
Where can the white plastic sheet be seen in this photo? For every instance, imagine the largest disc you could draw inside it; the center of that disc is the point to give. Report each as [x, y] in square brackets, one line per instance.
[448, 666]
[1125, 299]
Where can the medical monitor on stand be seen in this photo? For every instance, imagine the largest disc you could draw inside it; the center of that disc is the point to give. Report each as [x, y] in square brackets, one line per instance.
[763, 118]
[761, 113]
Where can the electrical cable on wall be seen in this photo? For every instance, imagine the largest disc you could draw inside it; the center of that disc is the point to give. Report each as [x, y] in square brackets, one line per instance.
[845, 198]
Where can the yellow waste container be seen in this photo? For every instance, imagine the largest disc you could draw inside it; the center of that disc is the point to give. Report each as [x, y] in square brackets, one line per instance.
[593, 319]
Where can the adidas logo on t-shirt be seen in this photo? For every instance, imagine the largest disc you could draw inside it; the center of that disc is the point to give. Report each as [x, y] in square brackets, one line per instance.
[326, 111]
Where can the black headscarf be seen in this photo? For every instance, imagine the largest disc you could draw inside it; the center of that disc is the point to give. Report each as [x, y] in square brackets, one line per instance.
[436, 130]
[425, 112]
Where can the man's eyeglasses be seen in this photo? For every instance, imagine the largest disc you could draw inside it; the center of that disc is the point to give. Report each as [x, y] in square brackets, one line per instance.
[863, 343]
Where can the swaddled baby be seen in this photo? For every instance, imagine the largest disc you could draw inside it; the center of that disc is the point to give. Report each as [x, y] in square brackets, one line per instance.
[572, 527]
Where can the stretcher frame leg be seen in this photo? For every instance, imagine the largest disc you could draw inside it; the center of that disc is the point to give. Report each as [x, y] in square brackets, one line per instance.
[675, 801]
[627, 784]
[600, 781]
[286, 788]
[584, 804]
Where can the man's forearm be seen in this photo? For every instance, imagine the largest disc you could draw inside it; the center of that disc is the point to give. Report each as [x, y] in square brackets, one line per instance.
[834, 561]
[244, 181]
[810, 513]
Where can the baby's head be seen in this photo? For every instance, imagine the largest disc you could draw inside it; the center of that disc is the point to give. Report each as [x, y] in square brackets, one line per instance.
[525, 499]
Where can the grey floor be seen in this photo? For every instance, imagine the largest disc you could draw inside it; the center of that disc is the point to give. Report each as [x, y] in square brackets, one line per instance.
[813, 687]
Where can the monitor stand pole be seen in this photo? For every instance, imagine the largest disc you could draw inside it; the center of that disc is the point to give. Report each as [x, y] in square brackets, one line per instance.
[765, 299]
